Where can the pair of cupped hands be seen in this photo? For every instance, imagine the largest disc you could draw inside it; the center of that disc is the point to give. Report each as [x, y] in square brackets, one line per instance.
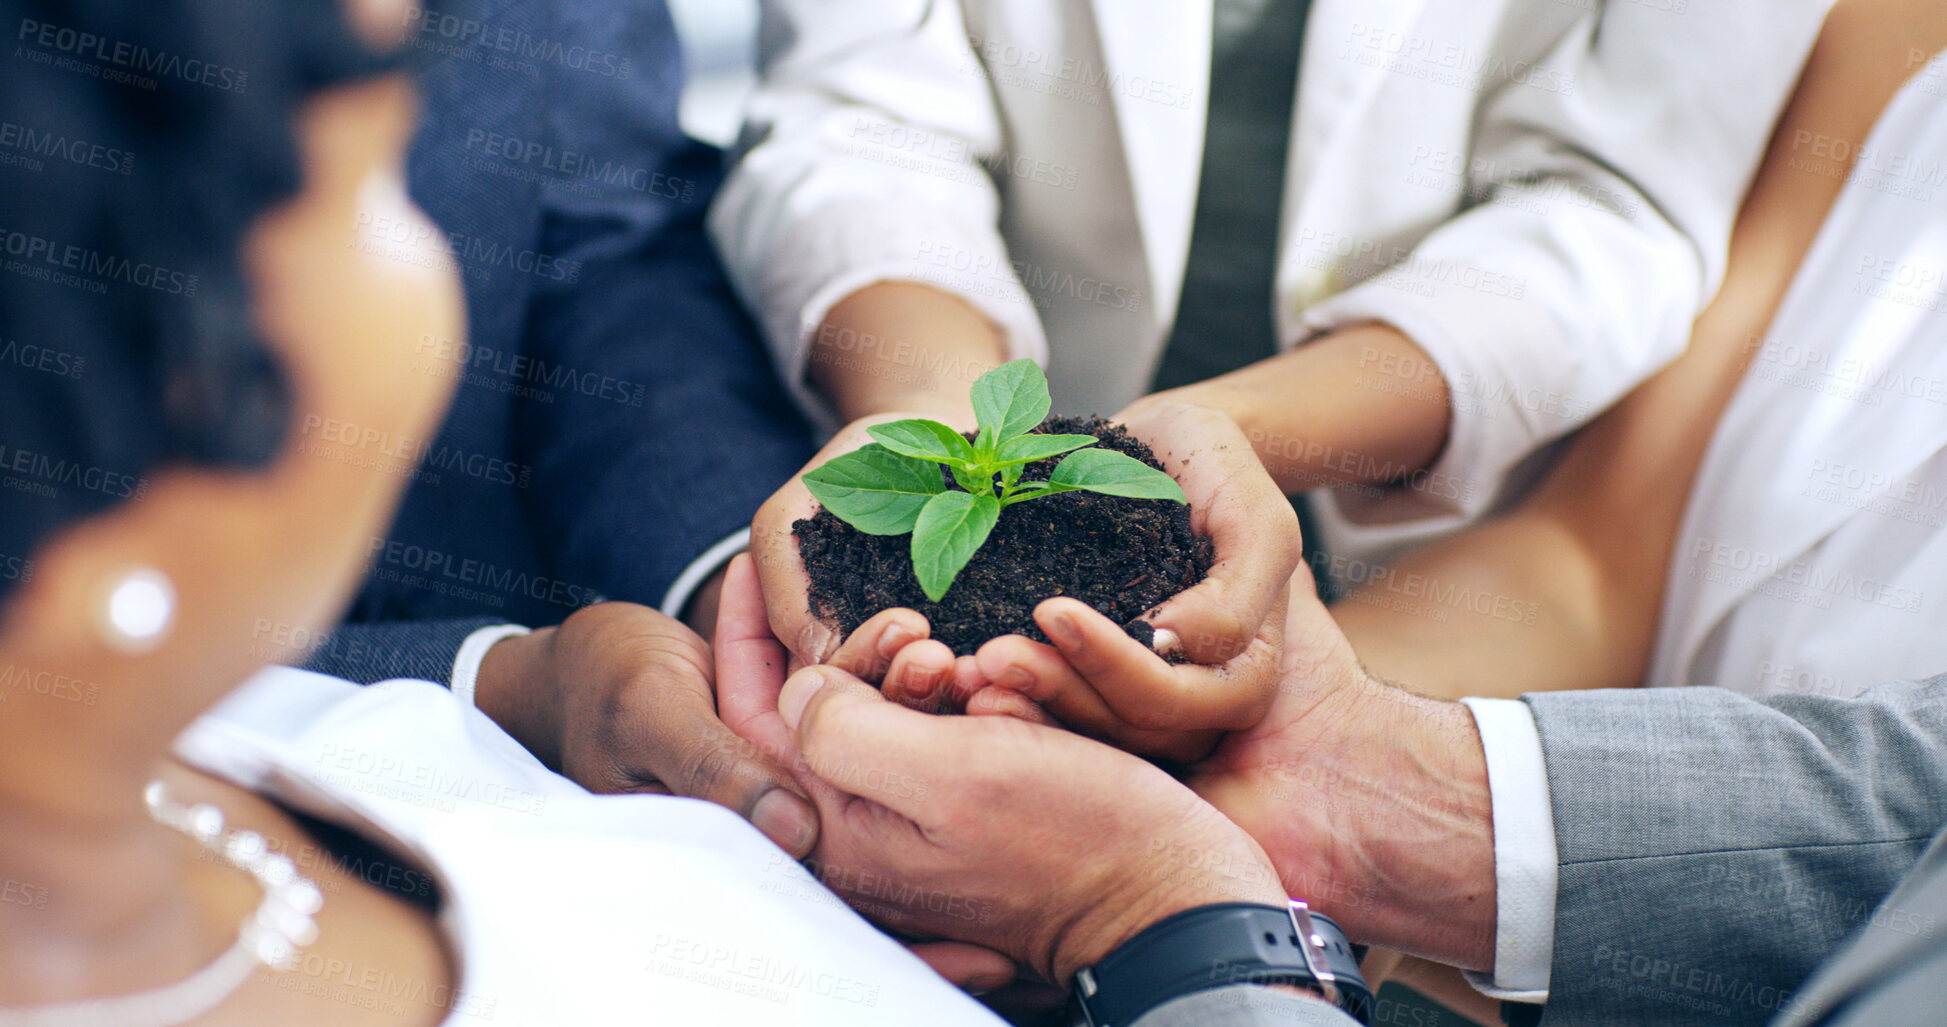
[1036, 811]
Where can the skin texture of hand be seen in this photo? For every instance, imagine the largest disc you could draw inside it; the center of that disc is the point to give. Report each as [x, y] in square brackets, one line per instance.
[1014, 837]
[1098, 680]
[989, 811]
[621, 698]
[911, 662]
[1372, 801]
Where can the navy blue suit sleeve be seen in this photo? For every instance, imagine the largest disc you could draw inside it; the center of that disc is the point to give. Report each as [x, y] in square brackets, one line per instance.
[668, 428]
[381, 651]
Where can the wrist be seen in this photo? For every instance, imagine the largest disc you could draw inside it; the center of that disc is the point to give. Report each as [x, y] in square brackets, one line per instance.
[1414, 818]
[1181, 875]
[1280, 945]
[903, 346]
[516, 688]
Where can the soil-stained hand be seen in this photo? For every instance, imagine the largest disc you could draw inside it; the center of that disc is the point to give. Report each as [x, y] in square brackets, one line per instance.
[1028, 840]
[874, 651]
[1229, 627]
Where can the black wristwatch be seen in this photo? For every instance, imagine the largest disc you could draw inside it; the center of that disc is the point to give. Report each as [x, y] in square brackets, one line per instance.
[1215, 946]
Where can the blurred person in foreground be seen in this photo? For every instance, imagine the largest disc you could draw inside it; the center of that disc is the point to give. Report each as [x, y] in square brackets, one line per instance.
[187, 836]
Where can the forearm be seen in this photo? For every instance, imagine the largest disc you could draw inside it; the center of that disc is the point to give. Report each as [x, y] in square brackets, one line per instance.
[1565, 592]
[1516, 605]
[1363, 404]
[516, 690]
[902, 346]
[1413, 794]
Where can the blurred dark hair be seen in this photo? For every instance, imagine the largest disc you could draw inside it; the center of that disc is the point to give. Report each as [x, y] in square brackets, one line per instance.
[139, 141]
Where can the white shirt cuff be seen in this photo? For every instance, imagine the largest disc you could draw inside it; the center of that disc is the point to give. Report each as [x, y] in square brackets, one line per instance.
[699, 571]
[466, 665]
[1524, 852]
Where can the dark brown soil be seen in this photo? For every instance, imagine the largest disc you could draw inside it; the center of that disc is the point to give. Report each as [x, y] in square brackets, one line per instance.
[1120, 556]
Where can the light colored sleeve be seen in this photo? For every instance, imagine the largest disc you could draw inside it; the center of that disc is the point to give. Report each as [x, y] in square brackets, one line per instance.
[699, 571]
[862, 161]
[473, 651]
[1524, 852]
[1600, 220]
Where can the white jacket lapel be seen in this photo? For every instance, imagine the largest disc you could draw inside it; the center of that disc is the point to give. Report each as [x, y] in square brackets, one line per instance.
[1335, 90]
[1158, 54]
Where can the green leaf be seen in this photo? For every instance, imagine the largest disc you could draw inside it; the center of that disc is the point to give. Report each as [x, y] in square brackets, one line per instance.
[875, 489]
[927, 440]
[1115, 474]
[1026, 449]
[1010, 400]
[973, 479]
[950, 531]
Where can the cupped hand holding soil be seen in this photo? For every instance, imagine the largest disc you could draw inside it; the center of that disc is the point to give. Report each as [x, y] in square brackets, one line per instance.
[1223, 635]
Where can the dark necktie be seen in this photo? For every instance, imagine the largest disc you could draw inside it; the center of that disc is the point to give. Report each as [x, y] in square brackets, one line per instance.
[1224, 320]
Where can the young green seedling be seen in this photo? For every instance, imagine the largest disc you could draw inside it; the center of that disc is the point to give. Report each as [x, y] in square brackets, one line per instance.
[895, 484]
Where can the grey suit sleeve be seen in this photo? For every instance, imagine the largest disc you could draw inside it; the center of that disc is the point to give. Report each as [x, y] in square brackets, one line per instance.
[381, 651]
[1245, 1005]
[1715, 848]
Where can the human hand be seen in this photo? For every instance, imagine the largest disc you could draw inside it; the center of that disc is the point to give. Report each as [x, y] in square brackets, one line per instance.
[621, 698]
[1229, 626]
[1371, 801]
[1020, 838]
[892, 647]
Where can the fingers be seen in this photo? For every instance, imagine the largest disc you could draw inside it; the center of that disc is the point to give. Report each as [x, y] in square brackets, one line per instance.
[780, 567]
[709, 761]
[750, 665]
[921, 676]
[858, 742]
[781, 570]
[1039, 673]
[1144, 691]
[1235, 502]
[1046, 690]
[1005, 702]
[973, 968]
[868, 652]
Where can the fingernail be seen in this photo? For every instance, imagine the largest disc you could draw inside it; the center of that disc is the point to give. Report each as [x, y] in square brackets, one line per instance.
[1061, 628]
[894, 639]
[1166, 641]
[787, 820]
[981, 984]
[1015, 678]
[797, 693]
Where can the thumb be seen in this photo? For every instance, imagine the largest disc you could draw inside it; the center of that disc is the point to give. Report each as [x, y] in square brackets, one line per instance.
[714, 764]
[861, 743]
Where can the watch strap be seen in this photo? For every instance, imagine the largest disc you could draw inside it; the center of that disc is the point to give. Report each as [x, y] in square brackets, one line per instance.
[1219, 945]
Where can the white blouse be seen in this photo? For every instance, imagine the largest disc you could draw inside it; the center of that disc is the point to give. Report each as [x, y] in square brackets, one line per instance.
[561, 907]
[1812, 556]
